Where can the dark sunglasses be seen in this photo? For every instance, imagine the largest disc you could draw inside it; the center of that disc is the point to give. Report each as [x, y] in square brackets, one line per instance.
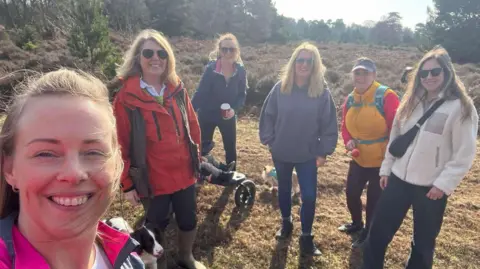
[148, 53]
[226, 50]
[309, 61]
[435, 72]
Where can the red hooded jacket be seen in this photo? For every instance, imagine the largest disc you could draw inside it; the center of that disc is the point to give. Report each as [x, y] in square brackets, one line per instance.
[168, 157]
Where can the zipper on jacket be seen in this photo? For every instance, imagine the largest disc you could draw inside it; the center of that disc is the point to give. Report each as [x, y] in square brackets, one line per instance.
[159, 135]
[176, 123]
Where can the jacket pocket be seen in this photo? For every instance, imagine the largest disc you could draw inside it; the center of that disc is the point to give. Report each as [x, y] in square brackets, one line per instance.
[436, 123]
[315, 147]
[437, 157]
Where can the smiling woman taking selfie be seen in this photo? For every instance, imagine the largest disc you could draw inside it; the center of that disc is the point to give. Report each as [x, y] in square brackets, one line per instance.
[60, 170]
[298, 123]
[432, 147]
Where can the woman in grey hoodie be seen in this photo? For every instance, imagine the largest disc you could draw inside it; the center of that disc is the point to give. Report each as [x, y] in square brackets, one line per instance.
[298, 123]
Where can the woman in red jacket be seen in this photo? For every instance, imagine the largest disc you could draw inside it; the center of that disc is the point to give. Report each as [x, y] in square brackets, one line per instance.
[170, 133]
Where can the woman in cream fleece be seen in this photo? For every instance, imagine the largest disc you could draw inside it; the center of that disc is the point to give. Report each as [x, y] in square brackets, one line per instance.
[433, 165]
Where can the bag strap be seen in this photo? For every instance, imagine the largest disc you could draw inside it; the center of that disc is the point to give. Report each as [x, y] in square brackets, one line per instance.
[429, 112]
[350, 101]
[6, 226]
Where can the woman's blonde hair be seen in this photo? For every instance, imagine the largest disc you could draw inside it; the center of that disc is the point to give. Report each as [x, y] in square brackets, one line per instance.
[215, 53]
[62, 82]
[452, 86]
[131, 60]
[317, 77]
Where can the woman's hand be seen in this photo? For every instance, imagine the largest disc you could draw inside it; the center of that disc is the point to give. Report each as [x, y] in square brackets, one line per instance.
[230, 113]
[132, 197]
[321, 161]
[435, 193]
[383, 182]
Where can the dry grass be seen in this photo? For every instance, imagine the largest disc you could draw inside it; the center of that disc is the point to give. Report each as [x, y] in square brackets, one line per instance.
[230, 238]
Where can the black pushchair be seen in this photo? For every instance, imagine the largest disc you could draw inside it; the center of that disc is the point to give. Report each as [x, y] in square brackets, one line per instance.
[215, 172]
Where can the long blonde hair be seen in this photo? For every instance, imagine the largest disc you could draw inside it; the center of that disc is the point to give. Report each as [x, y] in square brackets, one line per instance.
[131, 60]
[452, 86]
[317, 77]
[62, 82]
[215, 53]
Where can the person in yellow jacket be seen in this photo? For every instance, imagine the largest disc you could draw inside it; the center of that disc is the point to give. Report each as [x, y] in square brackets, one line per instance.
[367, 117]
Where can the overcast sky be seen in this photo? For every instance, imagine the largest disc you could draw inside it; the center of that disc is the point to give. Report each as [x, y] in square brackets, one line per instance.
[355, 11]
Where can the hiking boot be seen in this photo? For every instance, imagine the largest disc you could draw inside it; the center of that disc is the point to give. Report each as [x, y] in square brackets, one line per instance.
[307, 247]
[185, 244]
[162, 261]
[361, 239]
[351, 228]
[285, 231]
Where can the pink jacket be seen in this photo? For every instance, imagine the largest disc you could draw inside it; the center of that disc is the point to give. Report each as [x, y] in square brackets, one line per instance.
[118, 248]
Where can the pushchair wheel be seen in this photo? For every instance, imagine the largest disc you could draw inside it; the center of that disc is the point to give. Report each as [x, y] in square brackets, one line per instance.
[245, 194]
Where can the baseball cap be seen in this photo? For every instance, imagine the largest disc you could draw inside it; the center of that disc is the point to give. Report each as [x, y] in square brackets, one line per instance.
[365, 63]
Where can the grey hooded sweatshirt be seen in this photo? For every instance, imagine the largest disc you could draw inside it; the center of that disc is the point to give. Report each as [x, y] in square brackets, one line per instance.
[296, 127]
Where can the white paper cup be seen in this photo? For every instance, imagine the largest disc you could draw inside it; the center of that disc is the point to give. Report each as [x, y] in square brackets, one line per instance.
[225, 107]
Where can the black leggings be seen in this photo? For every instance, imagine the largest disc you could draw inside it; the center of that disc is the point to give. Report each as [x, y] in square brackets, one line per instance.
[228, 130]
[357, 178]
[183, 203]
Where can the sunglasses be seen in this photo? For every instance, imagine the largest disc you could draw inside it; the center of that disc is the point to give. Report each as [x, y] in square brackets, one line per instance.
[435, 72]
[361, 72]
[309, 61]
[148, 53]
[227, 50]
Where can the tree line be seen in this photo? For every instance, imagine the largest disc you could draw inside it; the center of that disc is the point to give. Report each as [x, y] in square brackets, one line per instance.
[454, 24]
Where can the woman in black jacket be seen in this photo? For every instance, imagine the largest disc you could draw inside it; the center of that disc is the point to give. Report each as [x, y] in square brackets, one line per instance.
[223, 85]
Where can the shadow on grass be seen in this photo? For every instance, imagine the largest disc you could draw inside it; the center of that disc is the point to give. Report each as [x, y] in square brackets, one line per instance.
[211, 234]
[305, 262]
[279, 256]
[356, 254]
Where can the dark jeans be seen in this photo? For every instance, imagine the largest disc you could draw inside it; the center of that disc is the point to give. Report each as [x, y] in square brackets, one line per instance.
[228, 130]
[357, 178]
[184, 206]
[307, 179]
[391, 209]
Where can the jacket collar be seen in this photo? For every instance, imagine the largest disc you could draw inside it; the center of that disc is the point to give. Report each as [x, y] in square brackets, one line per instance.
[135, 96]
[117, 247]
[217, 67]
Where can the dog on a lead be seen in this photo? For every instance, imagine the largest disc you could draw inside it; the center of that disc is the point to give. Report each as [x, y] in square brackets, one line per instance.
[269, 175]
[147, 236]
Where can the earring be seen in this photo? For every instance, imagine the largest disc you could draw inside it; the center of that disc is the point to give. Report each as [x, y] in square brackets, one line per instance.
[15, 189]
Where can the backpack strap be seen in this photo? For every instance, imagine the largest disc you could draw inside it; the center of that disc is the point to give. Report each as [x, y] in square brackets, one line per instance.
[351, 101]
[379, 98]
[6, 226]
